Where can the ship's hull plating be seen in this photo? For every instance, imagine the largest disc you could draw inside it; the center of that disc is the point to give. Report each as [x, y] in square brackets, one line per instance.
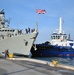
[52, 52]
[20, 44]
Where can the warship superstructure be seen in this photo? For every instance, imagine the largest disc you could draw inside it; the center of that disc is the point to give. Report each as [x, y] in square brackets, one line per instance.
[15, 40]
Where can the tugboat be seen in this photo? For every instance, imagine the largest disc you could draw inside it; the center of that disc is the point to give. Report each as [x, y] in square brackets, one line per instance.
[59, 46]
[16, 41]
[60, 38]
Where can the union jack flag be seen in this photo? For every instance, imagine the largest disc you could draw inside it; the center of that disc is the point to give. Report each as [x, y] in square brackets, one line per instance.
[39, 11]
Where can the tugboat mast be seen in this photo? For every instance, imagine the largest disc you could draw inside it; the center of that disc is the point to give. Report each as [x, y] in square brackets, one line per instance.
[60, 26]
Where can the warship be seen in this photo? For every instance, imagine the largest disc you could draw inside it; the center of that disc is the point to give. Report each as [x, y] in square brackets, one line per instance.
[16, 41]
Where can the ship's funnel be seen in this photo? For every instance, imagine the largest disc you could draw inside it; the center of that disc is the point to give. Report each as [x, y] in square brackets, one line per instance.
[60, 26]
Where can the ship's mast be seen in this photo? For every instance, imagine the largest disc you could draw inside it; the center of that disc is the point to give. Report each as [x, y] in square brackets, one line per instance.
[60, 26]
[2, 20]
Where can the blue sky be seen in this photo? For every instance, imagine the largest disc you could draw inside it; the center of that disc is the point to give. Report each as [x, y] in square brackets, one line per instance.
[23, 15]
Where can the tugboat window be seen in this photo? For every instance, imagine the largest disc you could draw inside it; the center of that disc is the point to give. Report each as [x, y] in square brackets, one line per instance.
[53, 37]
[58, 37]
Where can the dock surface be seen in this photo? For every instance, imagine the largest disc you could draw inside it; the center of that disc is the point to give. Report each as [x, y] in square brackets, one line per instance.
[22, 67]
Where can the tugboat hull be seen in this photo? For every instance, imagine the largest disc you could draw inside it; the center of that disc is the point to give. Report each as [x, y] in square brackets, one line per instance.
[52, 51]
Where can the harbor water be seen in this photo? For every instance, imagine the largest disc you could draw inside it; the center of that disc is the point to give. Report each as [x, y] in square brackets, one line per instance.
[67, 61]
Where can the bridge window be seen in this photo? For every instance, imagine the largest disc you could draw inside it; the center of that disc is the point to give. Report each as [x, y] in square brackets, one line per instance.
[58, 37]
[53, 37]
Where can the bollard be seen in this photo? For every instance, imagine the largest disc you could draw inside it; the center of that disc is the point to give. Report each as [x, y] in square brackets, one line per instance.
[11, 55]
[54, 62]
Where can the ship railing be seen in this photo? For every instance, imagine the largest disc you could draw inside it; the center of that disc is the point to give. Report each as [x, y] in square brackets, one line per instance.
[29, 30]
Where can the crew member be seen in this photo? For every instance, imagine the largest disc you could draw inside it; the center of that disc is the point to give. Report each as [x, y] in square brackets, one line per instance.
[6, 53]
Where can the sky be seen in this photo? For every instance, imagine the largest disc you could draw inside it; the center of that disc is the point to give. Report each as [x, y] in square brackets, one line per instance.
[22, 14]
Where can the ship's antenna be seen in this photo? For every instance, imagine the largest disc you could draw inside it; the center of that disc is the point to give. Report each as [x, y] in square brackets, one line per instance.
[2, 10]
[36, 20]
[60, 26]
[69, 37]
[36, 26]
[8, 21]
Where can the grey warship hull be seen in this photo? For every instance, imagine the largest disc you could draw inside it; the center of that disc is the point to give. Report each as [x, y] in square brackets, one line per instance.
[19, 44]
[15, 40]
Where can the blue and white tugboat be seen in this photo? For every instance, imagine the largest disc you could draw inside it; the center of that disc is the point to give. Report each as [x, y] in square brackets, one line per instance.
[60, 45]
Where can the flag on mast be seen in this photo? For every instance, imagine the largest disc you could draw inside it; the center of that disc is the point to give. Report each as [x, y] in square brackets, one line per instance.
[39, 11]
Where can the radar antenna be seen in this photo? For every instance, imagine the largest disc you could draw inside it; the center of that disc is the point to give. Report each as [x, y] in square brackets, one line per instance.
[2, 11]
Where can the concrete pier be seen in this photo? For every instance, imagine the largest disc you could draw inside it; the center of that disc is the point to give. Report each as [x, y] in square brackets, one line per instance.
[58, 65]
[26, 66]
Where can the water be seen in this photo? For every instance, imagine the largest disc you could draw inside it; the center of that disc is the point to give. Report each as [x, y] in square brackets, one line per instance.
[67, 61]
